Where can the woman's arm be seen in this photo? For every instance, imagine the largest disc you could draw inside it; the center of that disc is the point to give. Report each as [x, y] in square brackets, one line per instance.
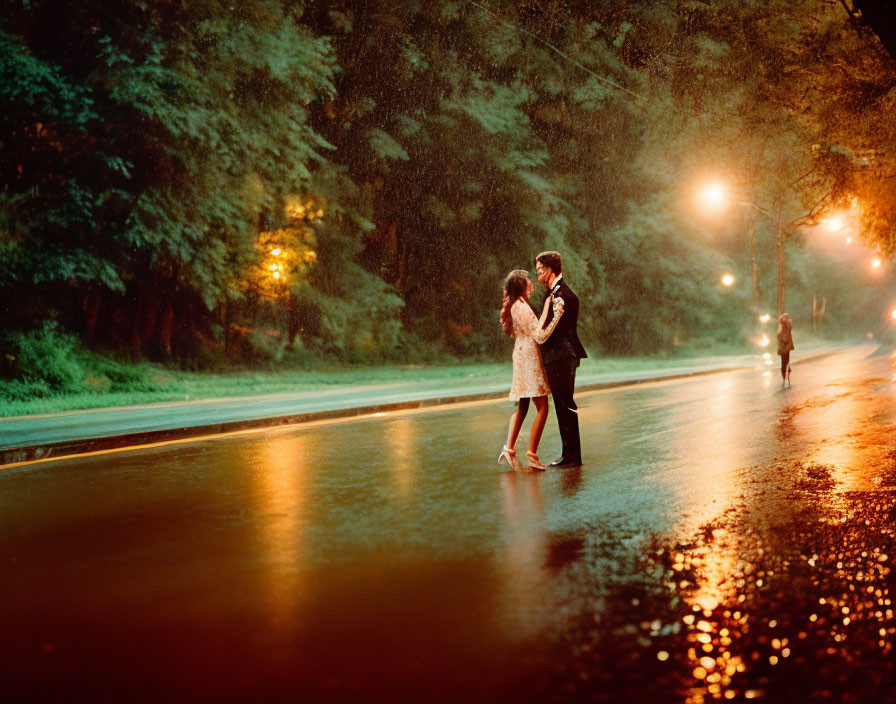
[543, 333]
[548, 302]
[530, 325]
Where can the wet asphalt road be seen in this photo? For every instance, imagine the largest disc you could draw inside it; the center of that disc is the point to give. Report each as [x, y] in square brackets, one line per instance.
[726, 540]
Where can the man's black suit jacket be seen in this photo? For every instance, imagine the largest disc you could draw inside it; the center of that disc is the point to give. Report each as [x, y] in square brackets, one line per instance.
[564, 341]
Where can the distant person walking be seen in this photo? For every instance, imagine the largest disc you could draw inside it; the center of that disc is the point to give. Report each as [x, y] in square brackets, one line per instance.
[561, 353]
[529, 378]
[785, 346]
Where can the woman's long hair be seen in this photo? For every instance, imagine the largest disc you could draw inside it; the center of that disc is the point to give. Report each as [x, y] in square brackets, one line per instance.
[785, 321]
[514, 288]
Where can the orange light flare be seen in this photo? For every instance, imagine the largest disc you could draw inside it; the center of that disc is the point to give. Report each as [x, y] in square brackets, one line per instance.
[835, 223]
[713, 197]
[876, 263]
[277, 271]
[727, 280]
[295, 208]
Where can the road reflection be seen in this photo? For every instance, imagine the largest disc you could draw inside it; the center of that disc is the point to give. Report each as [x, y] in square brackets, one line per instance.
[521, 561]
[405, 455]
[725, 540]
[280, 499]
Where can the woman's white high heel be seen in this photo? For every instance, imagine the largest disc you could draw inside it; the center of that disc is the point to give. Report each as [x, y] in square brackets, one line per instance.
[534, 462]
[509, 455]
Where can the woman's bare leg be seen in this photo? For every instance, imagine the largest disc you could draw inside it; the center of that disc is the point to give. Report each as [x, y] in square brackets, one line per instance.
[516, 422]
[541, 417]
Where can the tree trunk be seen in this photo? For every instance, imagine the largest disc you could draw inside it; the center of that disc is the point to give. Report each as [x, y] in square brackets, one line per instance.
[779, 236]
[167, 325]
[754, 274]
[292, 319]
[92, 301]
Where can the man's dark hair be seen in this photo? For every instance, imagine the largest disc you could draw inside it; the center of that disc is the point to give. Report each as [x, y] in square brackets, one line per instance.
[551, 260]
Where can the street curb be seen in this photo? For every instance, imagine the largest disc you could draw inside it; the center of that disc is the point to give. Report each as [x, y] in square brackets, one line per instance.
[68, 448]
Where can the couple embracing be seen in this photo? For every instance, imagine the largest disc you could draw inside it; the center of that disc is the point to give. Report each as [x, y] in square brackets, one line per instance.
[546, 354]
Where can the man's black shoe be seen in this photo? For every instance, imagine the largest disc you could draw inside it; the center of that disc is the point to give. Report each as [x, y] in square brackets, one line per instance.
[563, 462]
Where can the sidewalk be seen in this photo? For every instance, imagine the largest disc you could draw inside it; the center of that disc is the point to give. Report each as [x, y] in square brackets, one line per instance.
[30, 438]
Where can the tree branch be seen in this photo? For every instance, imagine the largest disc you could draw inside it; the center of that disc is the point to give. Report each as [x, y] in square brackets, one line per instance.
[849, 11]
[805, 175]
[808, 218]
[553, 48]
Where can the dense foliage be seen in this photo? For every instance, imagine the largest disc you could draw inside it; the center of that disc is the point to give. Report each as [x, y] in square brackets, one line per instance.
[202, 181]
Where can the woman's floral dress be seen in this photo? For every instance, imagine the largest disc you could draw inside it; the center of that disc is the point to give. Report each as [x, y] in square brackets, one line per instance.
[529, 379]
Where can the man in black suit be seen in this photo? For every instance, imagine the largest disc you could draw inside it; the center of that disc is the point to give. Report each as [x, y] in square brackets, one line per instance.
[560, 354]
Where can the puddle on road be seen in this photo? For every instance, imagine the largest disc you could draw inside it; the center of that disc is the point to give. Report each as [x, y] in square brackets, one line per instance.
[786, 597]
[795, 610]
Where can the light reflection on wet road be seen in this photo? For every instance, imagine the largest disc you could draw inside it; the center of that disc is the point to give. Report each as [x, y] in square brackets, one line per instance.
[389, 558]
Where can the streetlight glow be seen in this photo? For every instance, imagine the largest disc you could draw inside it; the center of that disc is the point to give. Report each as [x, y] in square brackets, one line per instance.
[727, 280]
[894, 314]
[713, 196]
[875, 264]
[849, 240]
[763, 341]
[276, 251]
[764, 318]
[835, 223]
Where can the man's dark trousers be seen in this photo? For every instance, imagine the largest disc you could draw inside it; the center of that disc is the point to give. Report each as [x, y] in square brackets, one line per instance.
[562, 378]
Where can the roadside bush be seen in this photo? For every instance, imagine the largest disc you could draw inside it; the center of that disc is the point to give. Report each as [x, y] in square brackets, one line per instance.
[46, 356]
[263, 347]
[48, 362]
[23, 390]
[123, 376]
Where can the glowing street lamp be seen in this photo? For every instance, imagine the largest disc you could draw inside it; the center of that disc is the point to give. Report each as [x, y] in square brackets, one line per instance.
[849, 240]
[764, 318]
[713, 197]
[276, 251]
[875, 263]
[835, 223]
[894, 314]
[727, 280]
[763, 341]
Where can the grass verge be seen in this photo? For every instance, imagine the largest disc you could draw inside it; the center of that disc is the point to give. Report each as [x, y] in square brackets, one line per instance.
[160, 384]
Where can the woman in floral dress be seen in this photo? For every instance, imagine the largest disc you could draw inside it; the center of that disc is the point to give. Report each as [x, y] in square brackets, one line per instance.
[529, 380]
